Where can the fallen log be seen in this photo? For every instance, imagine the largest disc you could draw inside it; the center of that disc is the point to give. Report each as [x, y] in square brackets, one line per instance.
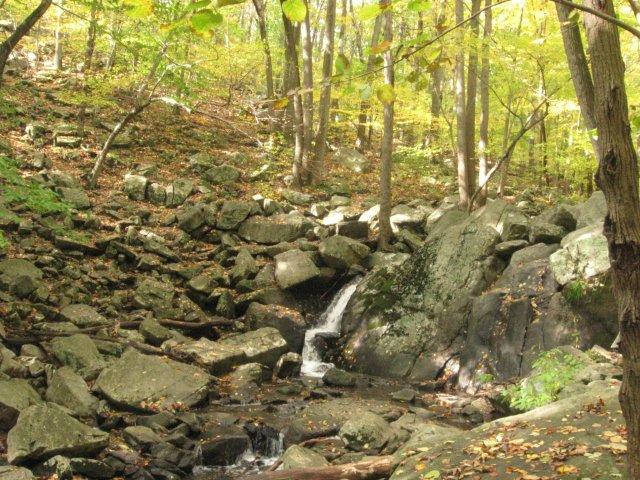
[366, 470]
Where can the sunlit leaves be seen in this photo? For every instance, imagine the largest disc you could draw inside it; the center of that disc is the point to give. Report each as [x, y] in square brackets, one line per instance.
[369, 12]
[386, 94]
[192, 7]
[419, 5]
[138, 8]
[205, 20]
[226, 3]
[365, 91]
[281, 103]
[381, 47]
[294, 10]
[342, 64]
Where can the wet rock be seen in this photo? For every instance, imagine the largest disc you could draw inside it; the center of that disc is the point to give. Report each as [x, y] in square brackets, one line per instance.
[15, 396]
[222, 175]
[274, 229]
[43, 431]
[295, 267]
[342, 252]
[135, 186]
[352, 159]
[68, 389]
[289, 365]
[300, 457]
[336, 377]
[144, 382]
[366, 432]
[19, 276]
[80, 353]
[233, 213]
[264, 346]
[289, 323]
[223, 445]
[83, 316]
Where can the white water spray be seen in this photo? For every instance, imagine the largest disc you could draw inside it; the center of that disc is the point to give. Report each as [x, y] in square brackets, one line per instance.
[312, 364]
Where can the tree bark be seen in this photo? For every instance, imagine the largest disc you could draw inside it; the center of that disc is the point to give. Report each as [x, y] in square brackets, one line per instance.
[365, 470]
[307, 97]
[57, 55]
[91, 36]
[365, 105]
[472, 90]
[293, 85]
[484, 105]
[268, 62]
[463, 177]
[384, 223]
[325, 96]
[617, 176]
[21, 30]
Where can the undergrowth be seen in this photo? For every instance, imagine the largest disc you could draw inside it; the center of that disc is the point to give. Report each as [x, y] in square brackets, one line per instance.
[552, 371]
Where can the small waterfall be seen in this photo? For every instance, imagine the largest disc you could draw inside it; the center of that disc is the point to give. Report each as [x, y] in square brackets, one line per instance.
[330, 321]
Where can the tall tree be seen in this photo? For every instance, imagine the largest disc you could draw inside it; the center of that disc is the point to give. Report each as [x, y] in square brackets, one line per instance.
[472, 90]
[365, 104]
[91, 35]
[57, 54]
[20, 31]
[461, 143]
[325, 96]
[485, 71]
[261, 15]
[617, 176]
[307, 97]
[386, 151]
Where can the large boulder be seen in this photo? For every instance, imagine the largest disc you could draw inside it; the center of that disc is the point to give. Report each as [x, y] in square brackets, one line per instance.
[45, 430]
[294, 268]
[233, 213]
[15, 396]
[413, 315]
[147, 382]
[80, 353]
[223, 445]
[300, 457]
[274, 229]
[290, 323]
[68, 389]
[154, 295]
[342, 252]
[222, 175]
[19, 276]
[352, 159]
[264, 346]
[367, 431]
[590, 212]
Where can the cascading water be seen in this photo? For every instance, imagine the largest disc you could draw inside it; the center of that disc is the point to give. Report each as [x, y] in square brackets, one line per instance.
[312, 364]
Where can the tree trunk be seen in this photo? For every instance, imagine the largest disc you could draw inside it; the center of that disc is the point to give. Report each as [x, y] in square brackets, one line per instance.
[268, 62]
[293, 86]
[21, 30]
[484, 105]
[386, 151]
[113, 50]
[365, 105]
[463, 177]
[472, 90]
[617, 176]
[307, 97]
[578, 66]
[57, 55]
[91, 36]
[365, 470]
[325, 96]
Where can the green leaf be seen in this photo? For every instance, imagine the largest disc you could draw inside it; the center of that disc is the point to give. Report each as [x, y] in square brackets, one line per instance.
[369, 12]
[342, 64]
[226, 3]
[205, 20]
[138, 8]
[385, 94]
[419, 5]
[294, 10]
[433, 474]
[365, 91]
[192, 7]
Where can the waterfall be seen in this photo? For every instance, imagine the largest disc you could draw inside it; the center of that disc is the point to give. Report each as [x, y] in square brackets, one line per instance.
[330, 322]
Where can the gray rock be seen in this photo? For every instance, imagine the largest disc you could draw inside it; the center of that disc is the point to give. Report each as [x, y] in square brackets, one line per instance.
[154, 295]
[245, 266]
[560, 215]
[264, 346]
[15, 396]
[91, 468]
[294, 268]
[300, 457]
[352, 159]
[192, 218]
[80, 353]
[76, 197]
[156, 193]
[233, 213]
[19, 276]
[135, 186]
[68, 389]
[353, 229]
[178, 192]
[289, 365]
[139, 436]
[297, 198]
[592, 211]
[154, 333]
[43, 431]
[83, 316]
[201, 162]
[15, 473]
[288, 322]
[515, 226]
[147, 382]
[336, 377]
[546, 233]
[342, 252]
[274, 229]
[223, 445]
[366, 432]
[508, 248]
[222, 175]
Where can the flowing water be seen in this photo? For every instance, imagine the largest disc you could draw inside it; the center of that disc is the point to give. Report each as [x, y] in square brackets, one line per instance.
[330, 321]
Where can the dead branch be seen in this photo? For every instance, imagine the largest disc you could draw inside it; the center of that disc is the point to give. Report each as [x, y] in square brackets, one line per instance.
[366, 470]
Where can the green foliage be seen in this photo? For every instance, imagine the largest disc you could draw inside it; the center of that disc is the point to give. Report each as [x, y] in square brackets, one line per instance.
[4, 242]
[295, 10]
[575, 291]
[35, 197]
[553, 370]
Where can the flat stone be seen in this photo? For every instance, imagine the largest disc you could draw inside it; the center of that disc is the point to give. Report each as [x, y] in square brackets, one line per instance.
[342, 252]
[295, 267]
[83, 316]
[68, 389]
[80, 353]
[274, 229]
[15, 396]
